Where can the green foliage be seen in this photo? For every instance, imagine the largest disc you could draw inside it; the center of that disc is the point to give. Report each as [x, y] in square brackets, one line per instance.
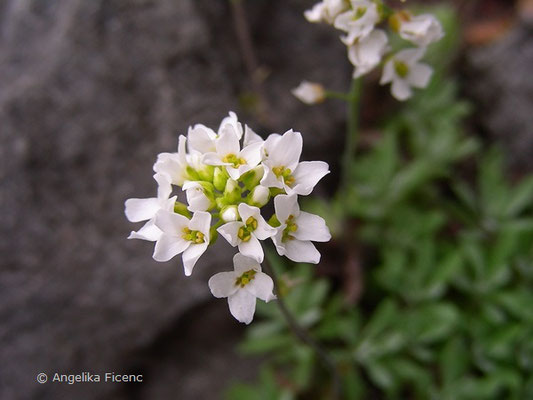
[446, 309]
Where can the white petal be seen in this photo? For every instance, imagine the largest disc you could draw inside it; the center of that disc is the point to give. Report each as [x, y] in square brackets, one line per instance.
[261, 286]
[201, 139]
[242, 306]
[286, 205]
[164, 187]
[264, 230]
[276, 239]
[228, 143]
[213, 159]
[421, 30]
[252, 154]
[148, 232]
[309, 92]
[311, 227]
[191, 255]
[419, 75]
[270, 179]
[223, 284]
[235, 173]
[400, 89]
[388, 73]
[301, 251]
[171, 223]
[306, 176]
[315, 13]
[246, 211]
[173, 165]
[250, 136]
[197, 199]
[252, 248]
[168, 246]
[231, 124]
[229, 232]
[270, 143]
[366, 54]
[141, 209]
[343, 20]
[287, 150]
[201, 221]
[242, 264]
[410, 56]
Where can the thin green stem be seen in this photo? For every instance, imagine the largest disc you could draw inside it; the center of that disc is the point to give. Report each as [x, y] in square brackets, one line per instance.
[352, 131]
[336, 95]
[303, 335]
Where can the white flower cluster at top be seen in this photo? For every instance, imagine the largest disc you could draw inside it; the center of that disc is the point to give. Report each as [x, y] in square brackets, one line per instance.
[226, 185]
[368, 45]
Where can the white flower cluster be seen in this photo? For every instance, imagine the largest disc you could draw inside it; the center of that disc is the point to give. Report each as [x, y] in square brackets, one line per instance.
[226, 184]
[367, 45]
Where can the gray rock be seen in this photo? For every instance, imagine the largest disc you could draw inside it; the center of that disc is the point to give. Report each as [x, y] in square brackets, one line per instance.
[502, 88]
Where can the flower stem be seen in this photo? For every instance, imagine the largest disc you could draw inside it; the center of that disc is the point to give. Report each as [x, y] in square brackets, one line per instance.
[352, 130]
[337, 95]
[303, 335]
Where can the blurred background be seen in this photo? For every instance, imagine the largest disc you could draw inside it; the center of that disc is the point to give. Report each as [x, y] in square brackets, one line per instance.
[92, 91]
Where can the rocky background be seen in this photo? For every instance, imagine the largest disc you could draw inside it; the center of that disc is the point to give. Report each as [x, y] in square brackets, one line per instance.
[90, 92]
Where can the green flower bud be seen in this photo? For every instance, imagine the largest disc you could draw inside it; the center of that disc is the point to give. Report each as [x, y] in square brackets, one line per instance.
[206, 173]
[229, 214]
[259, 196]
[252, 178]
[180, 208]
[220, 176]
[193, 174]
[232, 191]
[273, 221]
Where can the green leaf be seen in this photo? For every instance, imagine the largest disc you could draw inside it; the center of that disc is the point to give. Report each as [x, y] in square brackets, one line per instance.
[431, 323]
[453, 361]
[265, 344]
[521, 198]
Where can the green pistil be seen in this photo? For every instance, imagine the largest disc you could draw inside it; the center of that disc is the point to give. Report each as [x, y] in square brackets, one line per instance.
[289, 229]
[245, 232]
[359, 13]
[234, 160]
[401, 68]
[285, 173]
[245, 278]
[196, 237]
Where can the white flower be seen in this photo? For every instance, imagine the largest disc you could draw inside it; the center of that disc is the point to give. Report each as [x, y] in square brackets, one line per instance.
[174, 165]
[359, 21]
[366, 53]
[247, 232]
[309, 92]
[242, 286]
[199, 196]
[181, 235]
[229, 153]
[404, 71]
[421, 30]
[297, 230]
[326, 11]
[137, 210]
[283, 169]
